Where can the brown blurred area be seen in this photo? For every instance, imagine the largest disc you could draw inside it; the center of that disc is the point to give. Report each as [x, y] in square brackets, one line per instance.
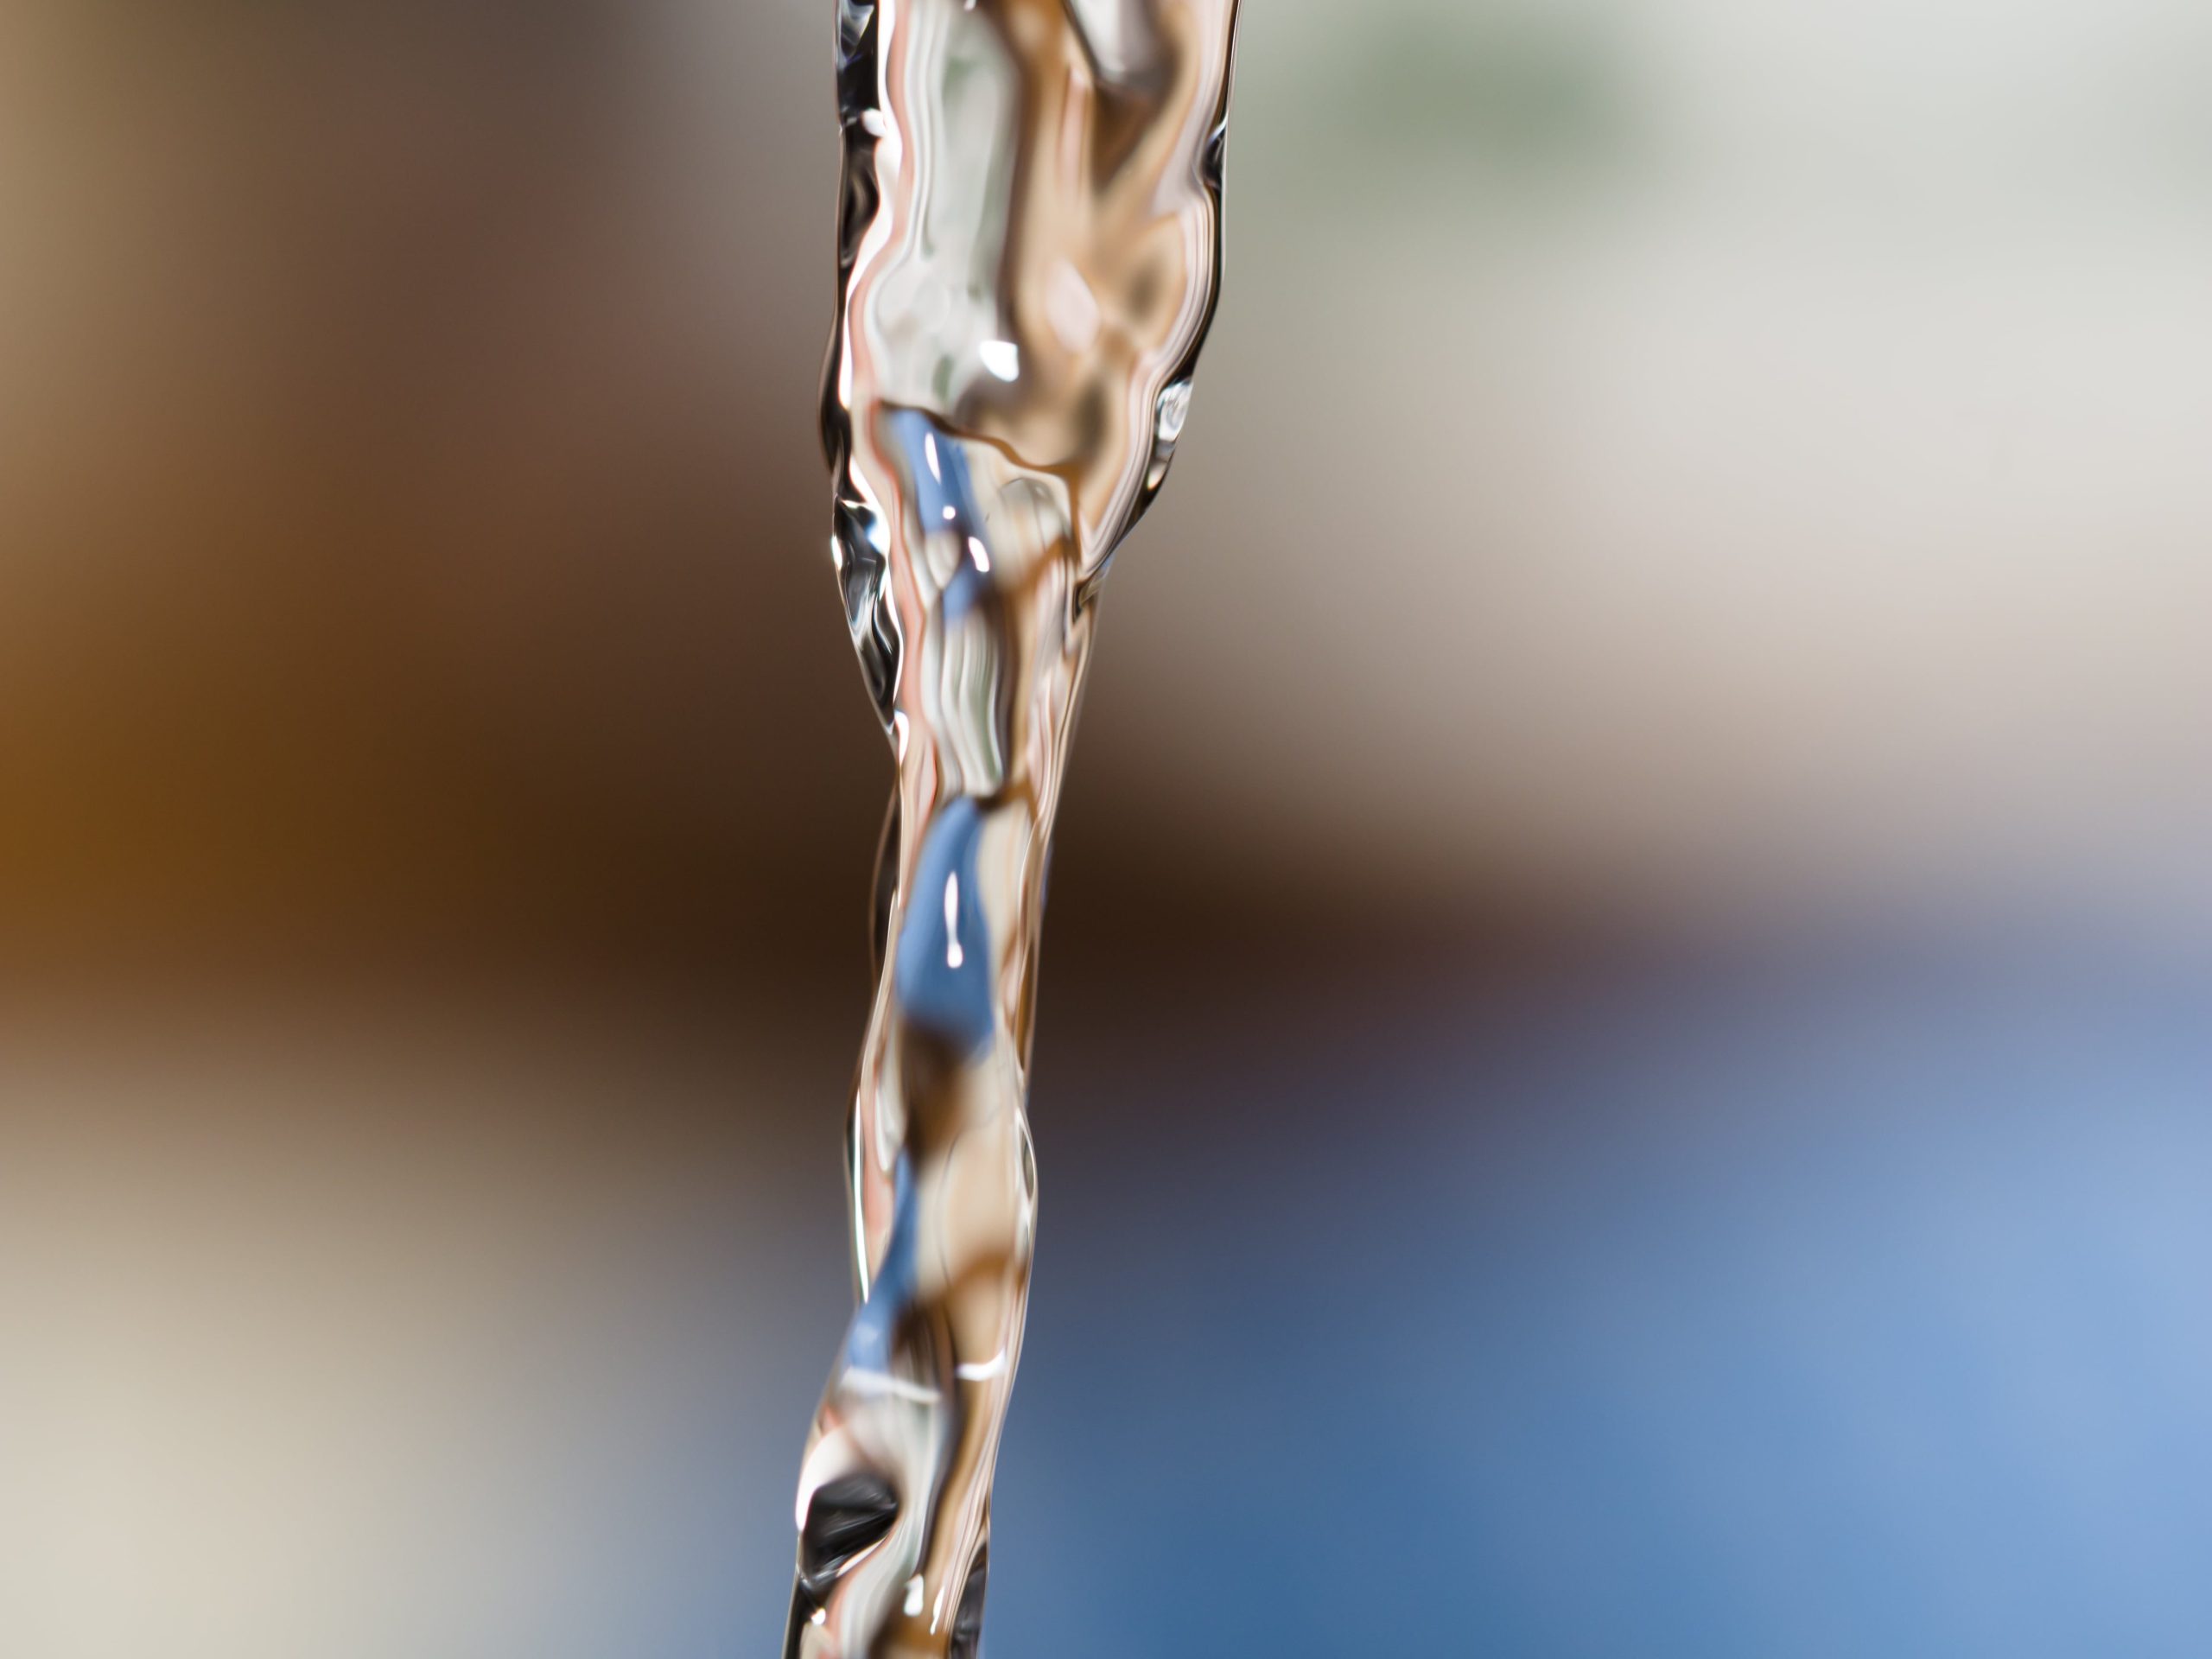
[411, 497]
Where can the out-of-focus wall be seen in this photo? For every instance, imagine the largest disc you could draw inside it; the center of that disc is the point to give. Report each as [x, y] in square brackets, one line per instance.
[414, 514]
[1688, 459]
[1706, 452]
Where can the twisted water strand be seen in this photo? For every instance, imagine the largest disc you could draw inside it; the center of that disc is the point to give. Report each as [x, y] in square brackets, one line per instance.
[1028, 259]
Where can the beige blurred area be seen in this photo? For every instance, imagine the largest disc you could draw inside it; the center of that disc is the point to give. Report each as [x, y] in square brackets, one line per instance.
[1708, 458]
[1679, 467]
[1685, 460]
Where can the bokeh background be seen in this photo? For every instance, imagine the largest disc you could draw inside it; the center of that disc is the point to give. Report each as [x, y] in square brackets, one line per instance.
[1627, 1054]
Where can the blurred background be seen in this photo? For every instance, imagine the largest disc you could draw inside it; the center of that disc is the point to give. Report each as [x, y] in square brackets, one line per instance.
[1627, 1054]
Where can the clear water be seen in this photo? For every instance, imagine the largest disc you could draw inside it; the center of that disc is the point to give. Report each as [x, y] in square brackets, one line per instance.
[1028, 259]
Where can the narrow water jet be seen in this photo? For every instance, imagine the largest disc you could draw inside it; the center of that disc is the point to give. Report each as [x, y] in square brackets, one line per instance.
[1028, 260]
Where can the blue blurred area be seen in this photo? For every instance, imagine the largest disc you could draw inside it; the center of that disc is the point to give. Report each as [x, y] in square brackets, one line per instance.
[1530, 1301]
[1839, 1309]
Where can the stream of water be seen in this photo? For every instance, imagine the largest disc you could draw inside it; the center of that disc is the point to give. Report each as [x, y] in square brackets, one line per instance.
[1028, 261]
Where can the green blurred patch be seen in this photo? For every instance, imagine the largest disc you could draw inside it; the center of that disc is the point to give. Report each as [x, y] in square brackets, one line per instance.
[1494, 93]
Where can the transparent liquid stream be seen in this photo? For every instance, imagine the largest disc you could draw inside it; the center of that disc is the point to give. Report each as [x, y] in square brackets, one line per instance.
[1028, 260]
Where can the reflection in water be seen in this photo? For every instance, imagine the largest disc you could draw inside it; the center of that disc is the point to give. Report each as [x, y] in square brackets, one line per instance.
[1030, 241]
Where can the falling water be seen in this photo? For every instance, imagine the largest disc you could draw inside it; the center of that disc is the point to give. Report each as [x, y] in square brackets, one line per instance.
[1028, 255]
